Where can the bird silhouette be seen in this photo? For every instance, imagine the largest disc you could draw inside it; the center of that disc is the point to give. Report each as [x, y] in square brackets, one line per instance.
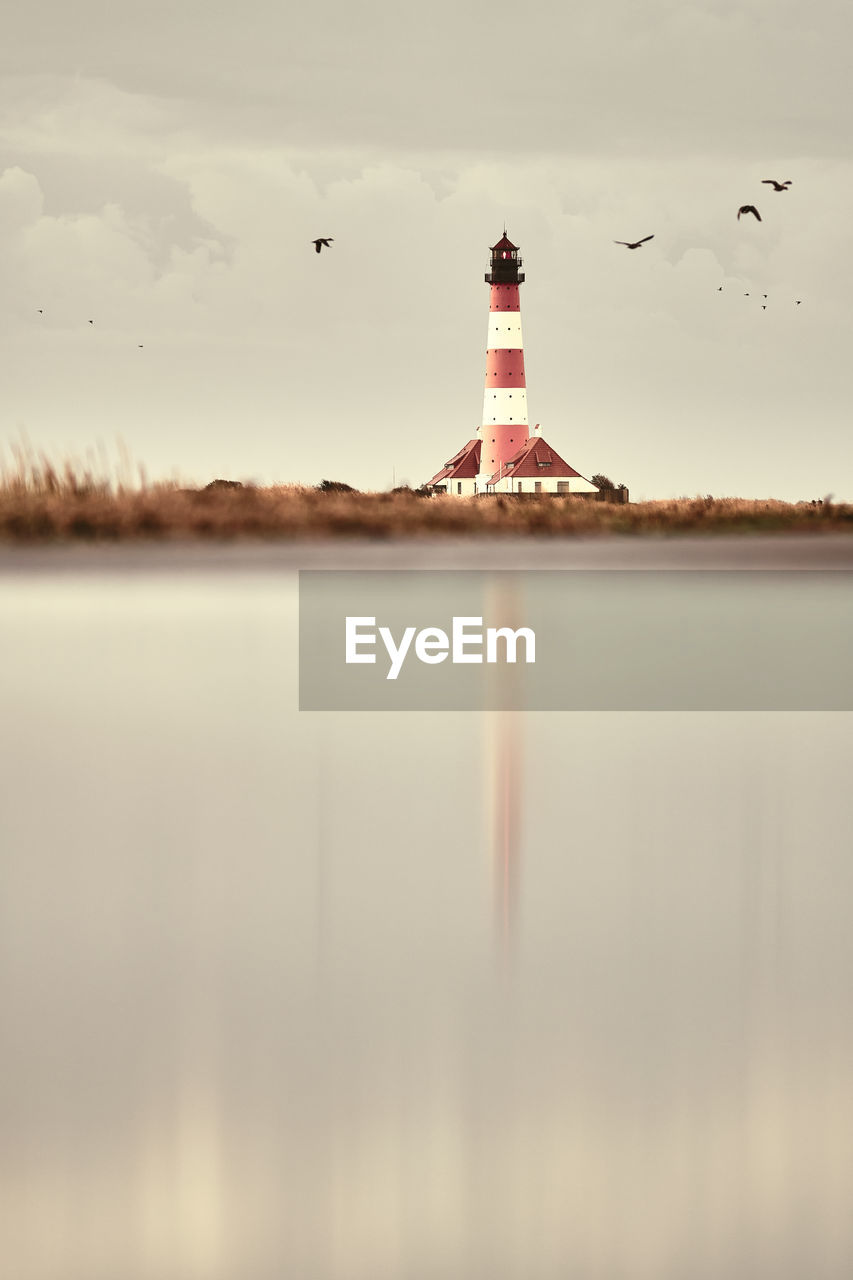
[324, 240]
[748, 208]
[777, 186]
[635, 244]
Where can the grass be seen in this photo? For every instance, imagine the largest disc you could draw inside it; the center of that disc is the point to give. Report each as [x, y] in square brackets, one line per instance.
[39, 502]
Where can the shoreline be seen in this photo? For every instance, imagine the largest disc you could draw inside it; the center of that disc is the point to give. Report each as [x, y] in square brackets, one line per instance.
[90, 515]
[723, 551]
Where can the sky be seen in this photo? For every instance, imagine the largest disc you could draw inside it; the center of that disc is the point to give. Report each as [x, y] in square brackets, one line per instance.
[164, 169]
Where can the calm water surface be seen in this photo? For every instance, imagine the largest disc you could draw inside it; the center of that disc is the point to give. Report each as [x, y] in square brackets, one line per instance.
[323, 996]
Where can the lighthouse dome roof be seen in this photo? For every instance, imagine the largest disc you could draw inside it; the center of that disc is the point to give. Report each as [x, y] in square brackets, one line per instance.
[504, 243]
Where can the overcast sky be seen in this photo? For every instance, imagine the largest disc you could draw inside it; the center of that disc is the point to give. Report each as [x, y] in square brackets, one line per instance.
[164, 168]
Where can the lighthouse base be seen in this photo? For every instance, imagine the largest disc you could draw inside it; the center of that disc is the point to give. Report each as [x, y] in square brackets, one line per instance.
[534, 468]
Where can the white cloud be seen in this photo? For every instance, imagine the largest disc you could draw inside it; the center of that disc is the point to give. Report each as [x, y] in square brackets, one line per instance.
[21, 200]
[181, 215]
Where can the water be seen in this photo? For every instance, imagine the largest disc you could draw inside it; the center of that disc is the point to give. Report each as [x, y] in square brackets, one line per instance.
[321, 995]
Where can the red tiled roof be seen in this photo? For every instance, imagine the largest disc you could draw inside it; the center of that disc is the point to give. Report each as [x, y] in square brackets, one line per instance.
[525, 463]
[464, 465]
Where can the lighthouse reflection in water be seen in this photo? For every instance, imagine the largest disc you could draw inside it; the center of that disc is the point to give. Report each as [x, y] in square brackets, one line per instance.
[384, 995]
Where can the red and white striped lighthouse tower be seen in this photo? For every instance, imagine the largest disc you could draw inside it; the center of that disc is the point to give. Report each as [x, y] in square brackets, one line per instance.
[503, 457]
[504, 428]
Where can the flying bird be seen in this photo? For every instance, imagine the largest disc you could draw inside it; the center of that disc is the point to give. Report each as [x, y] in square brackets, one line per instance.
[324, 240]
[777, 186]
[748, 208]
[634, 244]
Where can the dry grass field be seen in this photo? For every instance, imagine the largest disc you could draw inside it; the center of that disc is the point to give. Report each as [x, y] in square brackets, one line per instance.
[39, 502]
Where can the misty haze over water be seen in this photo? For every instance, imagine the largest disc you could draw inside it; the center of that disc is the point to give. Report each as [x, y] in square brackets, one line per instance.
[286, 994]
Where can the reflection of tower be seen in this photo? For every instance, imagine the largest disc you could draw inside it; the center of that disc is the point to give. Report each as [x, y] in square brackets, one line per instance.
[504, 428]
[505, 800]
[504, 765]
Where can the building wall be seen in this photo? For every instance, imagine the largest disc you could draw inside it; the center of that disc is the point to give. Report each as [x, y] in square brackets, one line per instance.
[459, 488]
[549, 484]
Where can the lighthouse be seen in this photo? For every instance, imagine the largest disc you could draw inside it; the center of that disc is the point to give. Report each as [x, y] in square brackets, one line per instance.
[503, 457]
[504, 428]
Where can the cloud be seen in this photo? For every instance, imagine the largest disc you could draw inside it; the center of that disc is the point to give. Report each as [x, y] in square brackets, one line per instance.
[701, 78]
[21, 200]
[169, 180]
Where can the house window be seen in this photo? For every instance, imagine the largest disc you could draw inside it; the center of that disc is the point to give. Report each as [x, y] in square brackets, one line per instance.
[537, 486]
[458, 486]
[519, 486]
